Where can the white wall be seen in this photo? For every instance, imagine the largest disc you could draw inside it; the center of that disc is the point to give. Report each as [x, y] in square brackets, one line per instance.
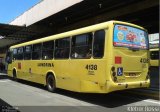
[42, 10]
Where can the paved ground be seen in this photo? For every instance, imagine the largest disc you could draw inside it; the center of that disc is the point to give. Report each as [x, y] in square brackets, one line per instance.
[155, 77]
[30, 97]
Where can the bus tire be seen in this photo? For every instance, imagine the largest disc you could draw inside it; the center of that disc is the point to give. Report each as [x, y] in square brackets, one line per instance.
[50, 82]
[14, 75]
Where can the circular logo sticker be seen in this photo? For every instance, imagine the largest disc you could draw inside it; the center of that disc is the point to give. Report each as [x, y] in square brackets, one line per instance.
[120, 36]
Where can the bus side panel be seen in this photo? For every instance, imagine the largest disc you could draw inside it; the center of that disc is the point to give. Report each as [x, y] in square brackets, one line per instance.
[20, 66]
[64, 76]
[90, 73]
[9, 70]
[35, 71]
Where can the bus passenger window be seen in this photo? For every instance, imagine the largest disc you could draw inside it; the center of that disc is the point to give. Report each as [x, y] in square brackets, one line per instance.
[20, 53]
[62, 48]
[154, 55]
[36, 52]
[98, 45]
[27, 52]
[82, 46]
[14, 54]
[47, 50]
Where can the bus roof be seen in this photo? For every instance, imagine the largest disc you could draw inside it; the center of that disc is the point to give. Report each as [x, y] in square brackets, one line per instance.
[88, 29]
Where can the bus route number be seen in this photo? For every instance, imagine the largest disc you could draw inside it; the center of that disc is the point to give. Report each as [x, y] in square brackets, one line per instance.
[144, 60]
[91, 67]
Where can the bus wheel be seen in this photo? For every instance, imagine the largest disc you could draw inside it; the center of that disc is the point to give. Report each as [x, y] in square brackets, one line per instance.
[51, 86]
[14, 75]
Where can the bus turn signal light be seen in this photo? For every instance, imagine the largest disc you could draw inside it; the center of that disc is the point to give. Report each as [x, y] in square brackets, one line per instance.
[118, 60]
[113, 69]
[114, 74]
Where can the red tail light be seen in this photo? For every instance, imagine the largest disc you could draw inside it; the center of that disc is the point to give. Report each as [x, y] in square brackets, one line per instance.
[118, 60]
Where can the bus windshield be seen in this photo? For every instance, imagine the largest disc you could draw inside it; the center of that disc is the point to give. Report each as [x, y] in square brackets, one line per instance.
[131, 37]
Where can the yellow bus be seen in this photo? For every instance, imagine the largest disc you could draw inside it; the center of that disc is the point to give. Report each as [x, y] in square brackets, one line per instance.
[101, 58]
[154, 57]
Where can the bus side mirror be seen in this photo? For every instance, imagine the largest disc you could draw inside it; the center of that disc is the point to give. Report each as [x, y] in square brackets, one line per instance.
[8, 60]
[8, 57]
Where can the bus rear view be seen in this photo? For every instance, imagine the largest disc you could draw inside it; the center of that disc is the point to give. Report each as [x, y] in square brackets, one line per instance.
[129, 57]
[101, 58]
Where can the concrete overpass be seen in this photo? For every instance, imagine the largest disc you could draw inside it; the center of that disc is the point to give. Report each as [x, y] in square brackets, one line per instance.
[55, 16]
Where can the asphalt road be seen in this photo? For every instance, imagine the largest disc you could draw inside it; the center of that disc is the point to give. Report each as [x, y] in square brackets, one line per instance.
[29, 97]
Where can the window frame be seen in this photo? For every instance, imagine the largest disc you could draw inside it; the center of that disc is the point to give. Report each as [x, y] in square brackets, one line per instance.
[28, 52]
[89, 45]
[52, 49]
[21, 53]
[103, 44]
[55, 50]
[15, 54]
[37, 51]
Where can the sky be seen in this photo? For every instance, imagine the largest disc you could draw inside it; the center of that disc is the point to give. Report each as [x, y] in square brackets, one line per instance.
[10, 9]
